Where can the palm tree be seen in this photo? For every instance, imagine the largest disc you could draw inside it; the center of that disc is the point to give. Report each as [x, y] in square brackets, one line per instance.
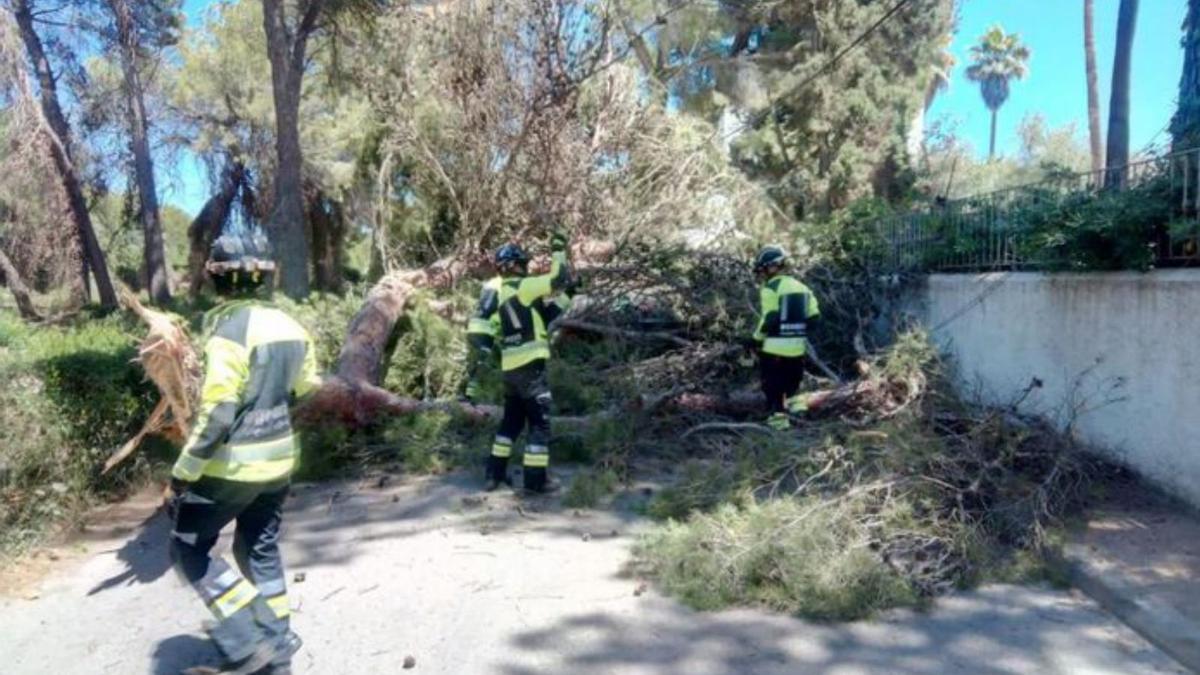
[998, 58]
[1118, 103]
[1093, 89]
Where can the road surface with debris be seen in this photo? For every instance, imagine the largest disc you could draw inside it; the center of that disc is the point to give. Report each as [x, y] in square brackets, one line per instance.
[426, 571]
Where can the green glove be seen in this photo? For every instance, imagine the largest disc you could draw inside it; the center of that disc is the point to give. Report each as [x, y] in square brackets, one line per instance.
[558, 241]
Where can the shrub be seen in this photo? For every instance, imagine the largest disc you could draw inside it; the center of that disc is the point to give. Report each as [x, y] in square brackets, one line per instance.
[589, 487]
[72, 396]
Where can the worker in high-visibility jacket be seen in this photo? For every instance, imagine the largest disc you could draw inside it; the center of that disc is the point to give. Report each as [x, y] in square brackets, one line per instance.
[788, 310]
[238, 459]
[514, 313]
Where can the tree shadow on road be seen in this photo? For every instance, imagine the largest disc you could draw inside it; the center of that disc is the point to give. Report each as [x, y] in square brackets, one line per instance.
[997, 630]
[173, 655]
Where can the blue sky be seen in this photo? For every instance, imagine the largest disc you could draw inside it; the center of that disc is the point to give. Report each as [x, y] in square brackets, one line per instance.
[184, 183]
[1055, 87]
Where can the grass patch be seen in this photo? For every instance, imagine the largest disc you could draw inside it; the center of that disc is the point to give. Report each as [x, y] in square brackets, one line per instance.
[797, 556]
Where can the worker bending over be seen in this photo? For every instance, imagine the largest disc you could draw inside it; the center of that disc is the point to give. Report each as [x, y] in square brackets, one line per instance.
[787, 310]
[515, 310]
[238, 460]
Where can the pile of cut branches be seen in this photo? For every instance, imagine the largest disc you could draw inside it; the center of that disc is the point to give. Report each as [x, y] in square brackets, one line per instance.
[910, 489]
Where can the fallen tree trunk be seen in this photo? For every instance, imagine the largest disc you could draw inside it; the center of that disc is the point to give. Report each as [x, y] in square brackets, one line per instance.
[362, 364]
[207, 224]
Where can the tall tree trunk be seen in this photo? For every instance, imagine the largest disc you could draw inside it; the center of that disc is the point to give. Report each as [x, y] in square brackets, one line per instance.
[1093, 89]
[286, 49]
[10, 277]
[60, 152]
[1118, 105]
[992, 142]
[158, 282]
[327, 219]
[206, 226]
[1185, 126]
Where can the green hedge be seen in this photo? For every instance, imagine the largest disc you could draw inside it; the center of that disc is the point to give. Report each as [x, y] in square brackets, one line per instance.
[72, 395]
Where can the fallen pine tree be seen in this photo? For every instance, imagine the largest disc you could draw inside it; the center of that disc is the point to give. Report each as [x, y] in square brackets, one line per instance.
[353, 394]
[890, 492]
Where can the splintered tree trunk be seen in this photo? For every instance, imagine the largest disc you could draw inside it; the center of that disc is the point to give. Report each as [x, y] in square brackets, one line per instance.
[93, 256]
[206, 227]
[353, 395]
[1093, 89]
[1118, 106]
[158, 282]
[12, 278]
[286, 50]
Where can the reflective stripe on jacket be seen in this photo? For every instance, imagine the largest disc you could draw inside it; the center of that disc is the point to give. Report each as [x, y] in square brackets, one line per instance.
[256, 359]
[516, 311]
[786, 305]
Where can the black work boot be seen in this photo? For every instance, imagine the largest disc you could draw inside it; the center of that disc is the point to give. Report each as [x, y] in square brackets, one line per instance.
[539, 482]
[289, 644]
[267, 652]
[496, 473]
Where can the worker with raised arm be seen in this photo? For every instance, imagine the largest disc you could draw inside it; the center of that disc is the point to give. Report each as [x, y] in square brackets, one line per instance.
[238, 460]
[515, 311]
[787, 311]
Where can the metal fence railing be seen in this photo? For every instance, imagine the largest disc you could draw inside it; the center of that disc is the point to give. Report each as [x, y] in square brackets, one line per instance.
[1144, 214]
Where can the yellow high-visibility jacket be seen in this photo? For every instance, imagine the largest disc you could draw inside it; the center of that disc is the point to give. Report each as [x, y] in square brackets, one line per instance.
[516, 310]
[786, 307]
[257, 360]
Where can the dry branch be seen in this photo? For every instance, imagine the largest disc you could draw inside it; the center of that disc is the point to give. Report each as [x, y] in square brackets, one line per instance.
[171, 362]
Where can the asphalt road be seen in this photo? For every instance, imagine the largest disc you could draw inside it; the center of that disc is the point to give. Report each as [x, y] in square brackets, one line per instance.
[425, 569]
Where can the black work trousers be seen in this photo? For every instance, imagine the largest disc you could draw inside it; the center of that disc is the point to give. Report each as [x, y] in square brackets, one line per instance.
[781, 376]
[527, 402]
[249, 601]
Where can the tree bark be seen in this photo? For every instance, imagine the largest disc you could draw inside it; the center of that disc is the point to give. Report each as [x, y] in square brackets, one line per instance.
[1093, 89]
[1118, 105]
[992, 142]
[158, 282]
[207, 225]
[353, 394]
[328, 223]
[12, 278]
[92, 255]
[1185, 125]
[286, 49]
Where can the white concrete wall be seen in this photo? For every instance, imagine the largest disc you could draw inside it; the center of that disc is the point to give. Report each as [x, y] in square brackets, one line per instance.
[1088, 337]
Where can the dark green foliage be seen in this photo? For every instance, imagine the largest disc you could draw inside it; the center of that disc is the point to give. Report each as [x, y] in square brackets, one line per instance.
[1043, 228]
[1185, 125]
[827, 141]
[72, 396]
[1109, 231]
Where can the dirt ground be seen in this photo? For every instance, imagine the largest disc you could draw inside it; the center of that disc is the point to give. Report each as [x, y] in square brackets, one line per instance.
[427, 568]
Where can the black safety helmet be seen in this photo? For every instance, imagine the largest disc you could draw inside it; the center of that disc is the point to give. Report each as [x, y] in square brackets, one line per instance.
[769, 256]
[240, 262]
[511, 255]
